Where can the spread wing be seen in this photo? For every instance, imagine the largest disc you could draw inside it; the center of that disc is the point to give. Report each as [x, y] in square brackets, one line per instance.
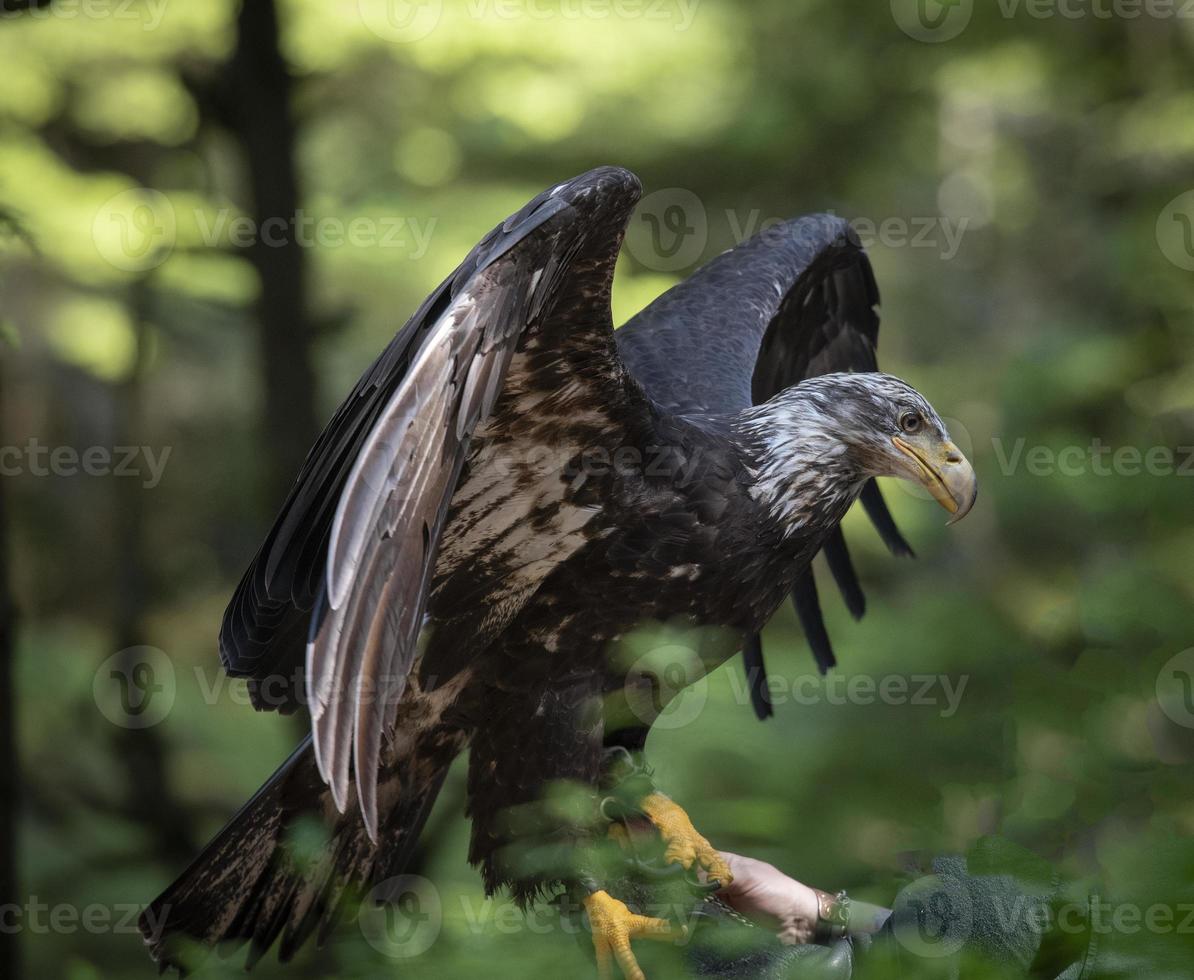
[340, 586]
[795, 301]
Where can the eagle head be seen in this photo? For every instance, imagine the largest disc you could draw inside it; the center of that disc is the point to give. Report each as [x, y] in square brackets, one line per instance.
[818, 442]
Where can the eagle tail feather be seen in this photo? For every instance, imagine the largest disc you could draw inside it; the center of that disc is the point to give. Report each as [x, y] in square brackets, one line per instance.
[271, 873]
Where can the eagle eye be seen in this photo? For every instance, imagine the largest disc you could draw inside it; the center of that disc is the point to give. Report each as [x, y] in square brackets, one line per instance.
[911, 422]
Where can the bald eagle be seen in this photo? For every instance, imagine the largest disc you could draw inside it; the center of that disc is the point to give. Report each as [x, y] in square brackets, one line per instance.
[511, 488]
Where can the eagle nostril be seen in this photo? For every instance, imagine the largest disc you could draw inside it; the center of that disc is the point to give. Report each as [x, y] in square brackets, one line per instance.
[954, 457]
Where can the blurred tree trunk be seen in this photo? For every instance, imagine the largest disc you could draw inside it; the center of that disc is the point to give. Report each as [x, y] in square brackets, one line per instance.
[151, 801]
[257, 105]
[259, 111]
[10, 760]
[10, 797]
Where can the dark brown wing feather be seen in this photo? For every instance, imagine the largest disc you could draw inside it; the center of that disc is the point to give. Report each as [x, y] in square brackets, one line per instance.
[265, 628]
[794, 301]
[358, 537]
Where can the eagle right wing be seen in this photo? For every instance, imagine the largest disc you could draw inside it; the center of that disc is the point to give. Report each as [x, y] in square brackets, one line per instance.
[796, 301]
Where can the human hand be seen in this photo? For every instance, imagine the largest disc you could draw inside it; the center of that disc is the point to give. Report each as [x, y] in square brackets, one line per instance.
[764, 894]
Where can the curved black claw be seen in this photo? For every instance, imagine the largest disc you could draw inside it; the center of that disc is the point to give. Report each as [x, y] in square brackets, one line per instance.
[673, 872]
[657, 872]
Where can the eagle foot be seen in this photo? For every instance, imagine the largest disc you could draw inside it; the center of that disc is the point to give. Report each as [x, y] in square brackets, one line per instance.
[685, 846]
[650, 869]
[614, 926]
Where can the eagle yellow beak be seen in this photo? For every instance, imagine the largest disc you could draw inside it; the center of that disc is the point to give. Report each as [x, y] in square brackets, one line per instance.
[942, 470]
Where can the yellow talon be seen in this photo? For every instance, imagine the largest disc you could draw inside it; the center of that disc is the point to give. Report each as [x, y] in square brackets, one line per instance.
[614, 925]
[684, 844]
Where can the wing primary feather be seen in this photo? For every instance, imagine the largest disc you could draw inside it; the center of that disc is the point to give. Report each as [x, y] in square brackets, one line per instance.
[838, 557]
[363, 494]
[876, 509]
[756, 676]
[388, 590]
[392, 640]
[808, 609]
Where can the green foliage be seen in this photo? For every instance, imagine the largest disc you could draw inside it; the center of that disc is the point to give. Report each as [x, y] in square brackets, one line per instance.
[1056, 322]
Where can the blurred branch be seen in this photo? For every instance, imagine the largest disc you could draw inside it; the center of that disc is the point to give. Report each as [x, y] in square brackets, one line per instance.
[11, 226]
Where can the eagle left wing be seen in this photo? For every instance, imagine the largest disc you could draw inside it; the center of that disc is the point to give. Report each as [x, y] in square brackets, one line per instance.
[533, 311]
[355, 547]
[796, 301]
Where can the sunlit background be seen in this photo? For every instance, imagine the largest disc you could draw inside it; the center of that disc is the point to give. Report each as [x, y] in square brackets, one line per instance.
[1025, 184]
